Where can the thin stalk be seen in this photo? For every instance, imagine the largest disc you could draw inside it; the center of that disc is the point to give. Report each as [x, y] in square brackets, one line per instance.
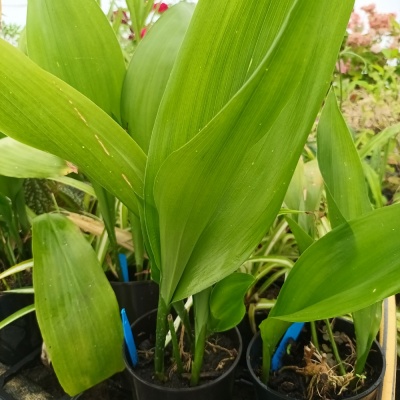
[198, 356]
[161, 333]
[340, 85]
[175, 345]
[314, 336]
[137, 236]
[334, 348]
[184, 316]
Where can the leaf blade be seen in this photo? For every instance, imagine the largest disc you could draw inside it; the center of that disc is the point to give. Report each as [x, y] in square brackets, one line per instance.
[76, 308]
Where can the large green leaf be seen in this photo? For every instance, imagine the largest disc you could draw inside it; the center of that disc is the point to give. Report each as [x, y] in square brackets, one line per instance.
[149, 71]
[76, 307]
[77, 44]
[346, 270]
[340, 163]
[209, 212]
[46, 113]
[21, 161]
[85, 53]
[219, 53]
[346, 187]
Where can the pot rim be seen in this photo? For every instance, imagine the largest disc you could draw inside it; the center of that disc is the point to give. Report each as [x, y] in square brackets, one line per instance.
[182, 390]
[360, 395]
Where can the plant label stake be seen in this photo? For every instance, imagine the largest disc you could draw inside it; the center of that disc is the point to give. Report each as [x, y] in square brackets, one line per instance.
[292, 333]
[130, 342]
[124, 267]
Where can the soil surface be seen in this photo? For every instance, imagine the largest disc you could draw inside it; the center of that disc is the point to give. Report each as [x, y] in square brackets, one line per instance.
[311, 374]
[219, 355]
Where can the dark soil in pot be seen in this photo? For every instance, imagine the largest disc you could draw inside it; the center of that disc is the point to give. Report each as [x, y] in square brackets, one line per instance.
[292, 380]
[216, 378]
[220, 354]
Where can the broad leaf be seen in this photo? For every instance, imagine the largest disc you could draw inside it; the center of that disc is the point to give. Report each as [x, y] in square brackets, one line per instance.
[340, 271]
[85, 53]
[21, 161]
[344, 178]
[77, 44]
[340, 163]
[75, 305]
[149, 71]
[46, 113]
[227, 301]
[207, 192]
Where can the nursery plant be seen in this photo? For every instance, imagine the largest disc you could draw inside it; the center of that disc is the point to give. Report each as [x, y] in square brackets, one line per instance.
[230, 124]
[349, 276]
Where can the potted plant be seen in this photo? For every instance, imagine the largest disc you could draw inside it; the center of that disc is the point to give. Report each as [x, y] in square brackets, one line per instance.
[344, 257]
[228, 123]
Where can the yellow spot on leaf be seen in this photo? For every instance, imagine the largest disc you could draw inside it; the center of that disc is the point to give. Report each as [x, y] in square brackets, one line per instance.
[126, 180]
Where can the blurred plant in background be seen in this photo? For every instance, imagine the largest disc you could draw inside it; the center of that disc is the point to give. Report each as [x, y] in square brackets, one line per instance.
[369, 71]
[10, 32]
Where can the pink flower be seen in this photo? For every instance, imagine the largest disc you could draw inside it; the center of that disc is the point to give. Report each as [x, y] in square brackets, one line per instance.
[143, 32]
[160, 7]
[355, 23]
[357, 39]
[343, 67]
[369, 8]
[380, 22]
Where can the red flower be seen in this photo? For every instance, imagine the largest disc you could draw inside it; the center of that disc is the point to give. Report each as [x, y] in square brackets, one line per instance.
[160, 7]
[143, 32]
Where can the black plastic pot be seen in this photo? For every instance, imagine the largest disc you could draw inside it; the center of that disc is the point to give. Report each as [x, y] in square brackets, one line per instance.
[137, 297]
[263, 392]
[218, 389]
[22, 336]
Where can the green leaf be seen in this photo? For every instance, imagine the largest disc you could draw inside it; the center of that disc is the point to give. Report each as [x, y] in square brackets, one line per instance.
[9, 220]
[138, 13]
[302, 238]
[340, 163]
[345, 270]
[207, 191]
[227, 301]
[13, 189]
[17, 268]
[344, 177]
[78, 45]
[367, 322]
[304, 193]
[21, 161]
[46, 113]
[374, 183]
[149, 71]
[18, 314]
[76, 308]
[379, 140]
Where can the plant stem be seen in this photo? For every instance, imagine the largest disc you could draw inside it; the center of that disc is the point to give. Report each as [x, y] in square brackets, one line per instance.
[175, 345]
[184, 316]
[198, 356]
[334, 347]
[137, 236]
[161, 333]
[314, 335]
